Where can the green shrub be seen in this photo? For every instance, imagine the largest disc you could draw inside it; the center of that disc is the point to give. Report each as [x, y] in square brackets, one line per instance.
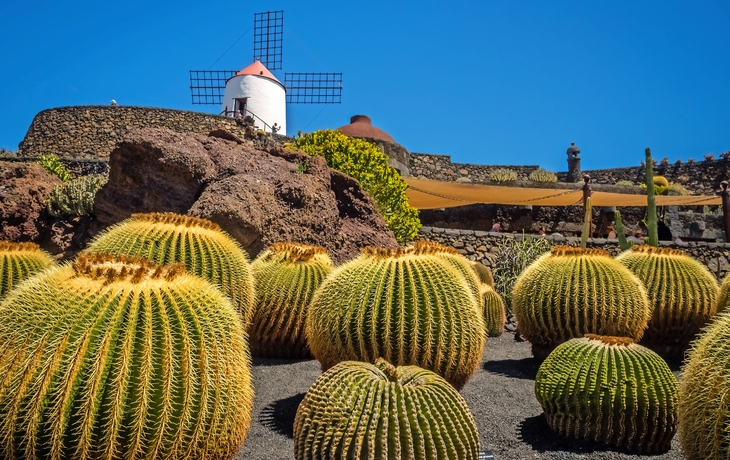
[369, 165]
[53, 165]
[75, 197]
[625, 183]
[513, 256]
[543, 175]
[503, 175]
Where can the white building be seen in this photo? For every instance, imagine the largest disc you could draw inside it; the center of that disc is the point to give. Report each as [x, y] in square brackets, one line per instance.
[255, 92]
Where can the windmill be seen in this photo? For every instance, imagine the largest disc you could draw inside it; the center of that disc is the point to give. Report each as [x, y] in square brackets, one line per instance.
[255, 91]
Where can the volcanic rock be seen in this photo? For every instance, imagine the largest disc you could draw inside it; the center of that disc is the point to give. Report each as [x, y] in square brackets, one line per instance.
[258, 195]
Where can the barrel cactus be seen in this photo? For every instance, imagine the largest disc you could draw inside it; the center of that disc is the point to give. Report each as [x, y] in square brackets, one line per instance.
[723, 297]
[19, 261]
[682, 293]
[111, 357]
[610, 390]
[450, 255]
[407, 306]
[286, 274]
[484, 273]
[201, 245]
[570, 292]
[361, 410]
[704, 418]
[495, 316]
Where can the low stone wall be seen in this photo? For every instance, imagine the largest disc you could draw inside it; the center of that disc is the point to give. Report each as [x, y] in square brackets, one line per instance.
[77, 166]
[92, 131]
[482, 246]
[440, 167]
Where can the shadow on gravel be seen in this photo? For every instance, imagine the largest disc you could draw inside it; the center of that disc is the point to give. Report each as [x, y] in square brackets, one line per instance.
[536, 432]
[525, 368]
[276, 362]
[279, 415]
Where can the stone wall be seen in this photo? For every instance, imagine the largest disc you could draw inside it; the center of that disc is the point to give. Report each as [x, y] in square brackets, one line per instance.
[77, 166]
[482, 246]
[440, 167]
[92, 131]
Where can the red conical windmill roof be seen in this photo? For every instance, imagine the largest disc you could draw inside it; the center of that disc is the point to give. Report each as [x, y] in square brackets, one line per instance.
[257, 68]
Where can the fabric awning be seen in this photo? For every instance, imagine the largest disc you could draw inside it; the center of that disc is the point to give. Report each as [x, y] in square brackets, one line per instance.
[428, 194]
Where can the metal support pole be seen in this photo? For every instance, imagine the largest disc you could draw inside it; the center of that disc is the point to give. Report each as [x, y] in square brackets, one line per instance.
[586, 194]
[725, 194]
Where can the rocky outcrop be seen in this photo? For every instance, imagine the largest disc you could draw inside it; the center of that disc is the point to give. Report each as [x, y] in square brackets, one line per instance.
[258, 195]
[23, 191]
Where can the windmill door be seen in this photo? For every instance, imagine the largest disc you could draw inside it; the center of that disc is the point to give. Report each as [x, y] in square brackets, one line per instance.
[240, 109]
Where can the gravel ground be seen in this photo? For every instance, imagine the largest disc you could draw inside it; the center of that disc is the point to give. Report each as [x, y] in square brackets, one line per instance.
[500, 394]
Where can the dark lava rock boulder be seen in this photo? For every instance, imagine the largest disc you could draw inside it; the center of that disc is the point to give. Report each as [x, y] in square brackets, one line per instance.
[259, 196]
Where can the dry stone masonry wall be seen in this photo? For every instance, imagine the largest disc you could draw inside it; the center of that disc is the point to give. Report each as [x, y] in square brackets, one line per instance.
[440, 167]
[483, 246]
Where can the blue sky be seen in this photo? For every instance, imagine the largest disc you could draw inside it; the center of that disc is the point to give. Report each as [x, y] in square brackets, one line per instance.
[491, 82]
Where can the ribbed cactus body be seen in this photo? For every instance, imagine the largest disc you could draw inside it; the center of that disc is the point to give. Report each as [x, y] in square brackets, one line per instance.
[570, 292]
[122, 358]
[495, 315]
[704, 414]
[448, 254]
[611, 390]
[360, 410]
[287, 274]
[484, 273]
[19, 261]
[723, 296]
[406, 307]
[201, 245]
[682, 293]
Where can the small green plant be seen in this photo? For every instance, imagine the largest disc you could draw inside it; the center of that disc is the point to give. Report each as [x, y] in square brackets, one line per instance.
[512, 257]
[503, 175]
[301, 168]
[75, 197]
[53, 165]
[623, 243]
[677, 189]
[369, 165]
[543, 175]
[624, 183]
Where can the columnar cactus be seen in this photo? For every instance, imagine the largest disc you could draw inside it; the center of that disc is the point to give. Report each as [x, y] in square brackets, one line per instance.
[484, 273]
[19, 261]
[570, 292]
[495, 315]
[122, 358]
[407, 306]
[360, 410]
[611, 390]
[704, 416]
[682, 293]
[287, 274]
[201, 245]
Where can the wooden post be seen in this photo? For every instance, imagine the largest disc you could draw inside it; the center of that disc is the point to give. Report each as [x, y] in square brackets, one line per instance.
[725, 194]
[587, 194]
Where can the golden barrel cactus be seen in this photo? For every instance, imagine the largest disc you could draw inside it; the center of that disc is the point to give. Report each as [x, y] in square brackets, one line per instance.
[682, 293]
[19, 261]
[286, 274]
[484, 273]
[407, 306]
[704, 414]
[610, 390]
[450, 255]
[205, 249]
[495, 316]
[723, 296]
[122, 358]
[361, 410]
[570, 292]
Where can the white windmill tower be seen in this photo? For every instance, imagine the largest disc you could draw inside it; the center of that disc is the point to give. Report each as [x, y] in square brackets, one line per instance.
[255, 91]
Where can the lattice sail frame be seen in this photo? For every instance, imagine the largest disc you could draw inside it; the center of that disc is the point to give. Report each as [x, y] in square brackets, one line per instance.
[268, 34]
[313, 87]
[207, 87]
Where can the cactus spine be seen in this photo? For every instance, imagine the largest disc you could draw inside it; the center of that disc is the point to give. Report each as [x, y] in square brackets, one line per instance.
[570, 292]
[611, 390]
[122, 358]
[484, 273]
[704, 418]
[723, 297]
[623, 243]
[360, 410]
[653, 236]
[682, 293]
[201, 245]
[495, 315]
[287, 274]
[407, 306]
[19, 261]
[450, 255]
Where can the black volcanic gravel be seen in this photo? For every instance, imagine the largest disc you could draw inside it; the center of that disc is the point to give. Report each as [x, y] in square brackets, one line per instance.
[500, 394]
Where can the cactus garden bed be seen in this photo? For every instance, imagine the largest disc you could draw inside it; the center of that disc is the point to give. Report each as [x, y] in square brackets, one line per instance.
[500, 395]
